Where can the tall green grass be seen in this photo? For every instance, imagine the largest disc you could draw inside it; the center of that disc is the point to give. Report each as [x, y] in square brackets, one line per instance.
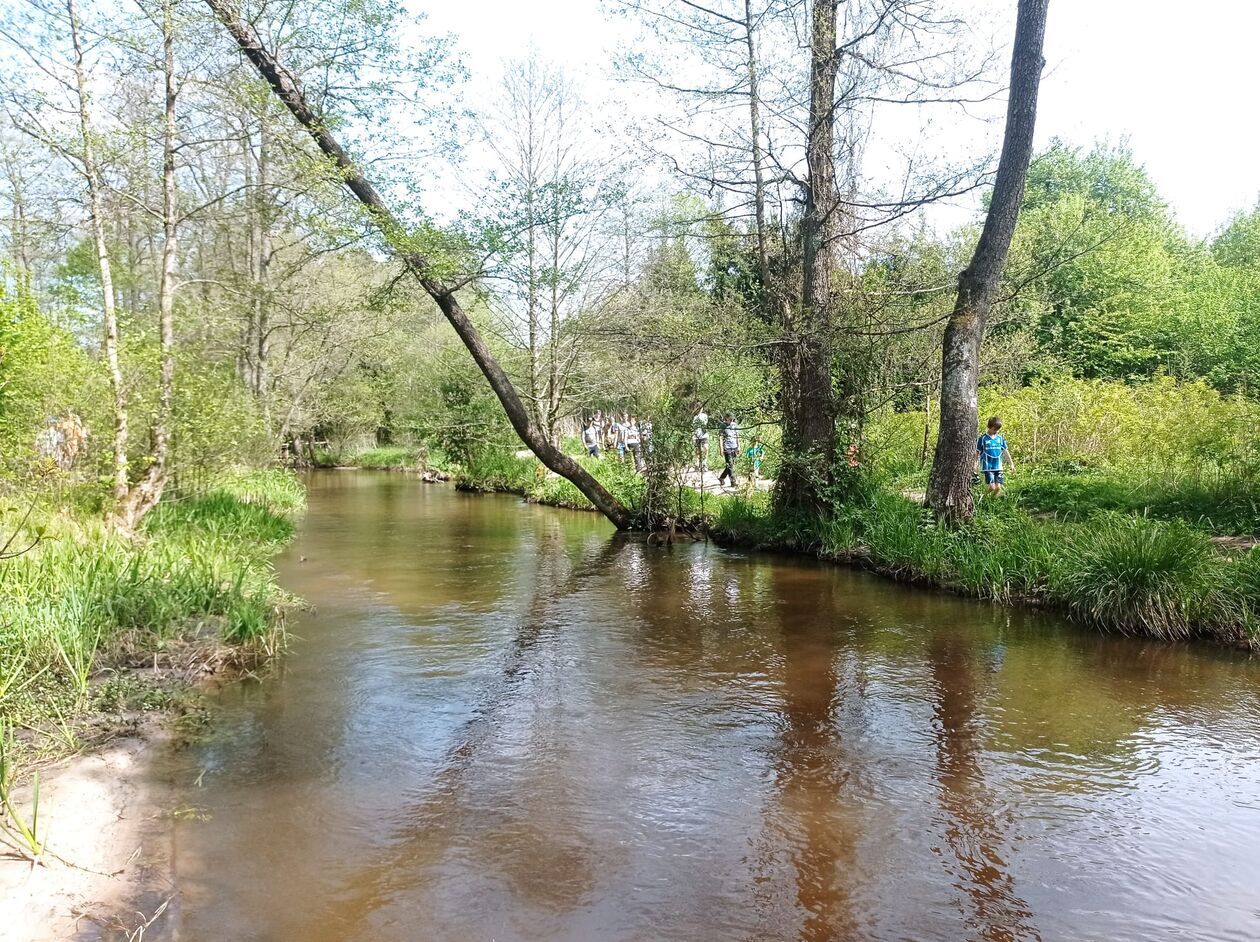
[1217, 504]
[388, 457]
[1142, 577]
[85, 597]
[1118, 572]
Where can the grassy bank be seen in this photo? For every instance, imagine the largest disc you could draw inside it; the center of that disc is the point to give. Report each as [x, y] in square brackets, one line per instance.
[92, 624]
[1111, 564]
[509, 474]
[1118, 572]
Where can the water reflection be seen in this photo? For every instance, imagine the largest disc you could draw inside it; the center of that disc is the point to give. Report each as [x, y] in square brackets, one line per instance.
[517, 834]
[975, 823]
[504, 722]
[819, 792]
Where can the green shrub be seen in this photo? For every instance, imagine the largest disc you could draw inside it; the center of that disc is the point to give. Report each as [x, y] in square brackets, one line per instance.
[1139, 576]
[497, 471]
[1159, 429]
[1240, 594]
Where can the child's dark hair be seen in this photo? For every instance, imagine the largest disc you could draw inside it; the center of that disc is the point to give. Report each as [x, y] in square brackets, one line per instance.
[995, 422]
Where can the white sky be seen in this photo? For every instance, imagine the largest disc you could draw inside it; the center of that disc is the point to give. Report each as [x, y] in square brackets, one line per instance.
[1177, 80]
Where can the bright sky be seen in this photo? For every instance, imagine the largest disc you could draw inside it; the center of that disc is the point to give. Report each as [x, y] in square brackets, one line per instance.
[1177, 82]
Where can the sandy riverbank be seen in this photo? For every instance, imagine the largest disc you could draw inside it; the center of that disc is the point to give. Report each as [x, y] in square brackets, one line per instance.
[107, 871]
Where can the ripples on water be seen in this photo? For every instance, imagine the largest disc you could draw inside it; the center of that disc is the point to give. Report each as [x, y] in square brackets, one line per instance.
[503, 722]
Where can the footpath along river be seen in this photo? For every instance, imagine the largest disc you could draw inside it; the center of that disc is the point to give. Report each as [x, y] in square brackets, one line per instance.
[504, 722]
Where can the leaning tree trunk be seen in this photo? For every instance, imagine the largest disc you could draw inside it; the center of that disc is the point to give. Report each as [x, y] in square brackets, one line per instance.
[287, 88]
[949, 487]
[809, 420]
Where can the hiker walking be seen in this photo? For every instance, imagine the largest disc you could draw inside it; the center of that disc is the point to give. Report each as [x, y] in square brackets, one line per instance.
[701, 423]
[619, 436]
[755, 453]
[590, 438]
[730, 448]
[632, 437]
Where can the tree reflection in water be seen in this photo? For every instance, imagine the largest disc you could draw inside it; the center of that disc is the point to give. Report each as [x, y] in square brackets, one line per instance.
[820, 791]
[974, 828]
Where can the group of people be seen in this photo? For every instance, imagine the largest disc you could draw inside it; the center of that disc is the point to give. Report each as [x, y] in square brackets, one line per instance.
[728, 439]
[627, 434]
[624, 433]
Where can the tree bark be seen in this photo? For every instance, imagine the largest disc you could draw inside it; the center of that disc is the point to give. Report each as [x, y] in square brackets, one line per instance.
[288, 90]
[148, 491]
[754, 128]
[809, 421]
[949, 487]
[109, 312]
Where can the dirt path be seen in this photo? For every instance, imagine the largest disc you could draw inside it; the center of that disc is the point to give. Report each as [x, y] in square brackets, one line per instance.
[709, 482]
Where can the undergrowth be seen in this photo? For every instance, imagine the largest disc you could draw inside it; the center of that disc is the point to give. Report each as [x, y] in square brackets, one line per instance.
[1119, 572]
[85, 600]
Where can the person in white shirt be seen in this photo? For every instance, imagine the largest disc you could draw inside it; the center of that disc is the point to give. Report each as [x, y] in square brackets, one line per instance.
[633, 440]
[701, 423]
[590, 438]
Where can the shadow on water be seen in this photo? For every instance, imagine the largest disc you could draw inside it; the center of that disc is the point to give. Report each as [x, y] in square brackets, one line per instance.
[419, 835]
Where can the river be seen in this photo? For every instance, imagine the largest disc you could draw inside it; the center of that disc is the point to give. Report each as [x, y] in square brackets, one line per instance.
[504, 722]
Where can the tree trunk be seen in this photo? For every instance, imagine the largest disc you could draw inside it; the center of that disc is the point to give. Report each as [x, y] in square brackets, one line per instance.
[262, 222]
[754, 129]
[249, 341]
[809, 424]
[109, 312]
[949, 487]
[288, 90]
[148, 491]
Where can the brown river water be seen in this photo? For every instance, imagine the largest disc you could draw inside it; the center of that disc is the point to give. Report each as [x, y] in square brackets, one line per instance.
[504, 722]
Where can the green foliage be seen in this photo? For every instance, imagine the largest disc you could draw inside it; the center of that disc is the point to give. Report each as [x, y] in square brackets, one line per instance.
[1238, 245]
[43, 373]
[1181, 449]
[1117, 291]
[217, 424]
[84, 595]
[454, 411]
[1139, 577]
[391, 457]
